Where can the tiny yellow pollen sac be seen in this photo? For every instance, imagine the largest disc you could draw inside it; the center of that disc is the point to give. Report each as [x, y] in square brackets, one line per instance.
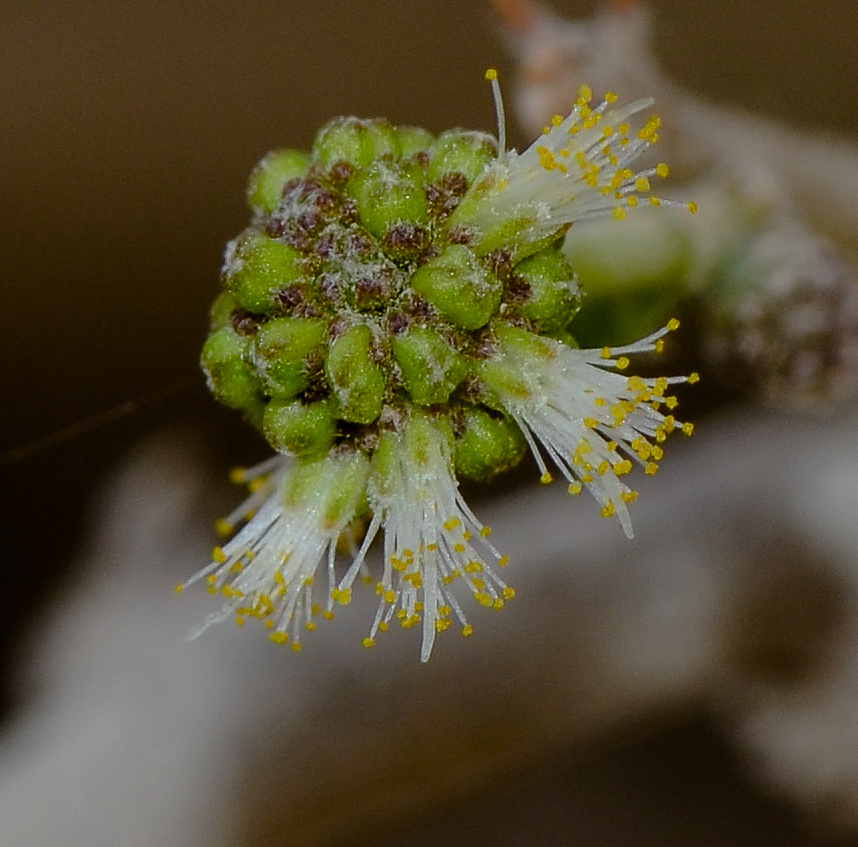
[609, 510]
[619, 213]
[585, 93]
[693, 377]
[673, 324]
[651, 469]
[370, 642]
[224, 528]
[688, 428]
[343, 596]
[218, 555]
[662, 169]
[467, 630]
[509, 593]
[692, 207]
[546, 478]
[503, 561]
[237, 476]
[180, 588]
[279, 637]
[575, 487]
[622, 363]
[491, 73]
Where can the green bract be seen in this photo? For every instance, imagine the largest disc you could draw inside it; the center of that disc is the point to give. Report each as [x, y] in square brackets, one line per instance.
[358, 295]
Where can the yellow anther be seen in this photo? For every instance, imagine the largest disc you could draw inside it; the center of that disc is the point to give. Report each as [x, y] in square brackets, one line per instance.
[693, 377]
[546, 478]
[662, 169]
[279, 637]
[237, 475]
[619, 213]
[503, 561]
[486, 531]
[491, 74]
[451, 523]
[343, 596]
[651, 469]
[180, 588]
[692, 207]
[575, 487]
[297, 646]
[673, 324]
[629, 496]
[223, 528]
[311, 625]
[585, 93]
[642, 184]
[218, 555]
[509, 593]
[384, 626]
[609, 510]
[368, 642]
[467, 630]
[606, 353]
[441, 625]
[622, 363]
[688, 428]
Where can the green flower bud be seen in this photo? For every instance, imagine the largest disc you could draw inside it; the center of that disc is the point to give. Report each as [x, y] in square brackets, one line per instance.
[281, 351]
[459, 287]
[339, 480]
[358, 382]
[414, 139]
[488, 445]
[256, 267]
[221, 310]
[545, 282]
[301, 429]
[265, 186]
[430, 367]
[503, 374]
[389, 194]
[229, 377]
[357, 142]
[460, 151]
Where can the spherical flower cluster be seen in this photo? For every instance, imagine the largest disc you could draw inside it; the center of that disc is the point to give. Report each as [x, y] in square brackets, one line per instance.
[396, 316]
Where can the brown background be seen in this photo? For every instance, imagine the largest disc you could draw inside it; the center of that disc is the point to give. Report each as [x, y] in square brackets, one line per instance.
[128, 130]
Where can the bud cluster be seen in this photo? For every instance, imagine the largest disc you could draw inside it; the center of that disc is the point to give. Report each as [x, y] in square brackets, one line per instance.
[395, 318]
[353, 294]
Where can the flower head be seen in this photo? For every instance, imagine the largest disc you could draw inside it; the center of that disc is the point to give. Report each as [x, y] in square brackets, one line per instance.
[397, 316]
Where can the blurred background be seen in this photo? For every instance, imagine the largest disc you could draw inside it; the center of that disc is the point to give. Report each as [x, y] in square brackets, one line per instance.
[129, 130]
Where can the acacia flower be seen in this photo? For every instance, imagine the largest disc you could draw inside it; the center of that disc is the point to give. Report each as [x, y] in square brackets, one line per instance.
[397, 317]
